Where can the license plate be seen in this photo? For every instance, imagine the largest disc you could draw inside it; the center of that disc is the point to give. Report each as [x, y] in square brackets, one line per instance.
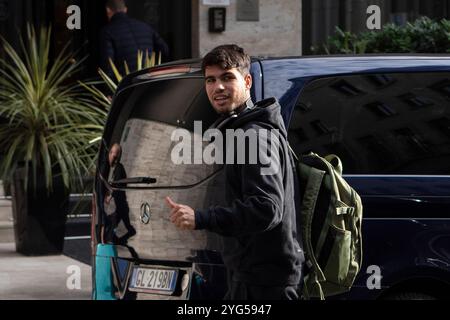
[161, 281]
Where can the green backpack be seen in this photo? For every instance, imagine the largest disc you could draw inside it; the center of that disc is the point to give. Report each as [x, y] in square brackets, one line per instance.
[330, 220]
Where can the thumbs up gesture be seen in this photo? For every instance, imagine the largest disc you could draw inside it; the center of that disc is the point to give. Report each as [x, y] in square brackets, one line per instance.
[182, 216]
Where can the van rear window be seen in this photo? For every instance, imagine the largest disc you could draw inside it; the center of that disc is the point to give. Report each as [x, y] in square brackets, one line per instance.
[170, 101]
[150, 115]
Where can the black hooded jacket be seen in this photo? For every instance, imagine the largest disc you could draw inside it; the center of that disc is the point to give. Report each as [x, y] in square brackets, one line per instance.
[121, 39]
[259, 224]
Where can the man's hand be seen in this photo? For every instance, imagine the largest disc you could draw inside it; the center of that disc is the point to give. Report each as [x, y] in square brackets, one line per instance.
[181, 215]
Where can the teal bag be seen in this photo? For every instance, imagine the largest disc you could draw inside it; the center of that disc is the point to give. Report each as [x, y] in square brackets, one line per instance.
[104, 281]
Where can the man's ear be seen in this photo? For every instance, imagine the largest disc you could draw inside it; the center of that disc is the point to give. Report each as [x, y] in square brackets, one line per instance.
[248, 81]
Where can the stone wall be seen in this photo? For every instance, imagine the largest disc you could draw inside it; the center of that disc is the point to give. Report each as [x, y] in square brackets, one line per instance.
[277, 33]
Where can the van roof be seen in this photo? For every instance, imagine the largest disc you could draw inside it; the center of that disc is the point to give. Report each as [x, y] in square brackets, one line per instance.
[343, 57]
[325, 64]
[275, 68]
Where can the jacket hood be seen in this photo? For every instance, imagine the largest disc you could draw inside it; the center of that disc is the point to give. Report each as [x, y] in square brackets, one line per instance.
[266, 112]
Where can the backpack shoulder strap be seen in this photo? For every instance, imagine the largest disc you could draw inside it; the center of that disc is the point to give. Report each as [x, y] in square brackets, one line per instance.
[336, 162]
[292, 152]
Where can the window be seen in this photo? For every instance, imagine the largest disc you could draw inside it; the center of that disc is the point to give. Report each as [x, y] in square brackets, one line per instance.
[381, 109]
[395, 123]
[145, 128]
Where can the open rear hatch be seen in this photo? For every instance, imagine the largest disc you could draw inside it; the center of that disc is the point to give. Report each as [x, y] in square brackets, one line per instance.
[158, 119]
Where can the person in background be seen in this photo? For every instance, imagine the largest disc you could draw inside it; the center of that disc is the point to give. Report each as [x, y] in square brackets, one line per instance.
[123, 36]
[116, 204]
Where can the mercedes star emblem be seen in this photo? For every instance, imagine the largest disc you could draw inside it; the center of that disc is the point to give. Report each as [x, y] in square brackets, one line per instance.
[145, 213]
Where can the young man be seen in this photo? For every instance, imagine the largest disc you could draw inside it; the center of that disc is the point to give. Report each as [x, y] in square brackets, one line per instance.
[261, 251]
[121, 39]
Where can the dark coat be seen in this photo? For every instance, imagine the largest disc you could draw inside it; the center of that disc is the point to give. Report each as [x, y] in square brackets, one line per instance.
[121, 39]
[119, 195]
[122, 209]
[259, 223]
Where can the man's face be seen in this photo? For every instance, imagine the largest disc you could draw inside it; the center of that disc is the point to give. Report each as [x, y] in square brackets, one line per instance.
[114, 154]
[226, 89]
[109, 13]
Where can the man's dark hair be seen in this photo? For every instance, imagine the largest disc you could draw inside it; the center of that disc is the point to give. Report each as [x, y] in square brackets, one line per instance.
[116, 5]
[227, 56]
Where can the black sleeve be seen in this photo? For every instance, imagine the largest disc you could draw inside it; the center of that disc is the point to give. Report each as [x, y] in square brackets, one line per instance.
[259, 209]
[120, 173]
[120, 196]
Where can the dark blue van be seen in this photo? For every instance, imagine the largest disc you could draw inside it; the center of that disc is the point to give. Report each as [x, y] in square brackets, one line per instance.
[387, 118]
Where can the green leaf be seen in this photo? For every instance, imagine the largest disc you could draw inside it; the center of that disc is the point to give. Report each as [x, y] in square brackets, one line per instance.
[115, 71]
[423, 35]
[47, 115]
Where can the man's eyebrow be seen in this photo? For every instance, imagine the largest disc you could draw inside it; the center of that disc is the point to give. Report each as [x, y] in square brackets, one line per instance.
[226, 73]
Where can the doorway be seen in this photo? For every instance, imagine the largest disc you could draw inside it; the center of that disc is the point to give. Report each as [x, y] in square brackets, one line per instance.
[171, 18]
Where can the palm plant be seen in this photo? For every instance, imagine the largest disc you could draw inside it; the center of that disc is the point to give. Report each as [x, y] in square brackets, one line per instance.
[50, 122]
[103, 99]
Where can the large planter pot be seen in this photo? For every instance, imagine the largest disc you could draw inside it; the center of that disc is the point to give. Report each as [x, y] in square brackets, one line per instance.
[39, 217]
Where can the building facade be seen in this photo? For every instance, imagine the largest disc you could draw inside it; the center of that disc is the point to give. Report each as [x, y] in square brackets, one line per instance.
[263, 27]
[193, 27]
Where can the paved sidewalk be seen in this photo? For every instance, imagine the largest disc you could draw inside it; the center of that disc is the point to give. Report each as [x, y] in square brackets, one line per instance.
[6, 221]
[41, 278]
[37, 278]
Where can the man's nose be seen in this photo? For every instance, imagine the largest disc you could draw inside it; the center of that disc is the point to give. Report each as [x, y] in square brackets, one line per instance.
[219, 86]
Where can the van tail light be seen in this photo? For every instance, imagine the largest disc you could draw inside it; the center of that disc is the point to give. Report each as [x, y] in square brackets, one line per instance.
[169, 71]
